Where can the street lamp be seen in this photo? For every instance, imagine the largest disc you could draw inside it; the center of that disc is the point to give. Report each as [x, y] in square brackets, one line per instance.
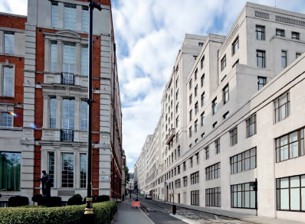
[89, 209]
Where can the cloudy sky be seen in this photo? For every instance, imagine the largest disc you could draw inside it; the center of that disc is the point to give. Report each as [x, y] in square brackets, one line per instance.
[149, 34]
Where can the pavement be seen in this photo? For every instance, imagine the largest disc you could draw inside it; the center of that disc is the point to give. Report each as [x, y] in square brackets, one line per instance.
[128, 215]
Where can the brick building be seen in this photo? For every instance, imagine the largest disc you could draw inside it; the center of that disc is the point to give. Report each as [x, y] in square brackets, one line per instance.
[44, 110]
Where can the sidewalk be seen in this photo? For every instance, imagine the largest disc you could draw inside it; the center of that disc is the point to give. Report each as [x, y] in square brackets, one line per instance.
[240, 216]
[128, 215]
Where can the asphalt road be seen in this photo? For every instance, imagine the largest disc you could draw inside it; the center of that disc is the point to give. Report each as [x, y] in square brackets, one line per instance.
[160, 213]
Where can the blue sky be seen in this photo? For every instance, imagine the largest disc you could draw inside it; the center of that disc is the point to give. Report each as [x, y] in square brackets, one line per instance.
[148, 35]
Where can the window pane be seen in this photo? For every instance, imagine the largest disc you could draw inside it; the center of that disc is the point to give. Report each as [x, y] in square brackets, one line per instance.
[67, 170]
[9, 43]
[51, 166]
[54, 14]
[284, 199]
[6, 120]
[83, 170]
[10, 171]
[53, 105]
[295, 199]
[284, 183]
[303, 199]
[69, 59]
[8, 81]
[252, 199]
[84, 113]
[53, 57]
[295, 181]
[70, 16]
[84, 61]
[68, 114]
[85, 19]
[303, 181]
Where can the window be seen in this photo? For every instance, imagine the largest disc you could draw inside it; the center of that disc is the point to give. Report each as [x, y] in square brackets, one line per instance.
[243, 161]
[177, 121]
[243, 196]
[213, 197]
[212, 172]
[251, 125]
[177, 107]
[261, 82]
[184, 166]
[190, 131]
[69, 16]
[196, 108]
[51, 166]
[195, 90]
[217, 146]
[177, 94]
[207, 153]
[235, 45]
[191, 113]
[233, 136]
[280, 32]
[260, 32]
[9, 42]
[69, 58]
[281, 107]
[195, 178]
[202, 119]
[184, 181]
[83, 170]
[290, 146]
[223, 62]
[195, 74]
[295, 35]
[52, 111]
[53, 56]
[190, 84]
[195, 197]
[225, 94]
[202, 62]
[284, 59]
[202, 80]
[178, 151]
[84, 61]
[6, 120]
[202, 98]
[290, 193]
[85, 19]
[84, 113]
[68, 113]
[196, 126]
[261, 59]
[197, 158]
[214, 106]
[7, 84]
[191, 162]
[297, 54]
[10, 163]
[54, 14]
[177, 183]
[190, 99]
[67, 170]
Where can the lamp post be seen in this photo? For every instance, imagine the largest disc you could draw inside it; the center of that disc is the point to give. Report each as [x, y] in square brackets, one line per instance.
[89, 209]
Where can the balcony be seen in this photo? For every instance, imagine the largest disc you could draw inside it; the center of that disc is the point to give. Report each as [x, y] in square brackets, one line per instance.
[169, 137]
[67, 78]
[66, 135]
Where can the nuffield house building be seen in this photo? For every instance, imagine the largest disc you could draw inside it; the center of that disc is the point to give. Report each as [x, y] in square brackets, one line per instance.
[231, 130]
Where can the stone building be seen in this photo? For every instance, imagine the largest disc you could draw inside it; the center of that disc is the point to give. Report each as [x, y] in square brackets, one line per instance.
[236, 142]
[44, 103]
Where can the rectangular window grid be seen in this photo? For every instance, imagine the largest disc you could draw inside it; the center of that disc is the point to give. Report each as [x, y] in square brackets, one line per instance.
[243, 196]
[243, 161]
[195, 178]
[213, 197]
[212, 172]
[281, 107]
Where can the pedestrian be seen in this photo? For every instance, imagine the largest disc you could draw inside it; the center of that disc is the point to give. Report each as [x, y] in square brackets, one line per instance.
[46, 181]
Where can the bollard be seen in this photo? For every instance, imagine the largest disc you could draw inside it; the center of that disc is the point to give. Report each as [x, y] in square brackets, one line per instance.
[174, 209]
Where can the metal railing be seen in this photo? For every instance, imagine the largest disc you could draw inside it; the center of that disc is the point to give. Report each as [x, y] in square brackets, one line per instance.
[67, 78]
[66, 135]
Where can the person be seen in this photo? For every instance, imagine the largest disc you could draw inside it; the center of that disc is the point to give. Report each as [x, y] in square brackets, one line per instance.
[46, 181]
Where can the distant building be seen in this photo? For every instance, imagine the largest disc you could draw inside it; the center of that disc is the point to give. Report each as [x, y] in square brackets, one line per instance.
[232, 124]
[44, 73]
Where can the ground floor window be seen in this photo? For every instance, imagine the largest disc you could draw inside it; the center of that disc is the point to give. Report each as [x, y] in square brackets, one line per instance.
[213, 197]
[83, 170]
[10, 171]
[67, 170]
[290, 193]
[243, 196]
[51, 166]
[195, 197]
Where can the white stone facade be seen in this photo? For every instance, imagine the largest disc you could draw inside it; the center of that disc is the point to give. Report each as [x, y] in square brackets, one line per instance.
[240, 141]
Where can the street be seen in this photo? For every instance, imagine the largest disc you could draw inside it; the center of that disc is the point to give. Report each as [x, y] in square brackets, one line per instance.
[159, 212]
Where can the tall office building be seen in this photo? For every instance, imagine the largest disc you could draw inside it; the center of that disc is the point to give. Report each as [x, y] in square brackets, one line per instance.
[44, 96]
[237, 143]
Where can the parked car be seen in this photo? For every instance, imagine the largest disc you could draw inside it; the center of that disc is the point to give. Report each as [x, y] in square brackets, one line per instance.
[148, 197]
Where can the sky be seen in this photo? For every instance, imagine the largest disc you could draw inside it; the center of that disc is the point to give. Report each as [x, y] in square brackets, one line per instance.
[149, 34]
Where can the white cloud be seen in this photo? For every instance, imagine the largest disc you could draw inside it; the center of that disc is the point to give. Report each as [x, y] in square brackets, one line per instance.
[149, 34]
